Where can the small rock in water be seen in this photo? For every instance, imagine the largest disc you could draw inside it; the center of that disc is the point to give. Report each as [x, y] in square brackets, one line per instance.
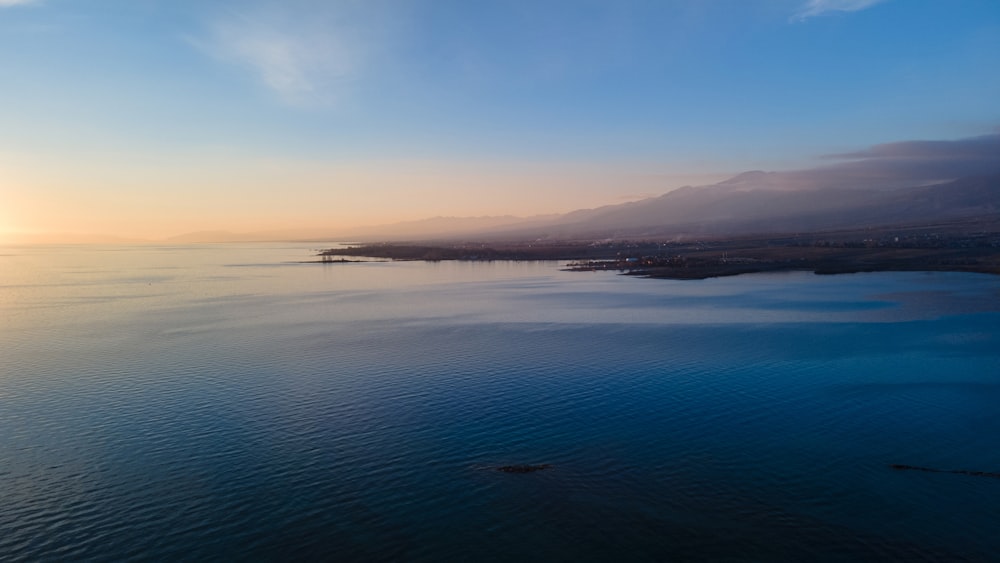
[523, 468]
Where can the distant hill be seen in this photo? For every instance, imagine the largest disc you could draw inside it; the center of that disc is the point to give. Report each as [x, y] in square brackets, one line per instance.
[750, 203]
[907, 183]
[758, 202]
[433, 227]
[437, 227]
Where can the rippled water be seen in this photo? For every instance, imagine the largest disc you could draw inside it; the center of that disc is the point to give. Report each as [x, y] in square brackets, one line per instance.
[220, 402]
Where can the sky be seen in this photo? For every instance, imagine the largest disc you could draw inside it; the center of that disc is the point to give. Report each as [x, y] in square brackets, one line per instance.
[152, 118]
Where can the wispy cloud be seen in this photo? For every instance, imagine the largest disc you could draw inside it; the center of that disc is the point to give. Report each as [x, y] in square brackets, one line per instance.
[982, 148]
[307, 53]
[908, 163]
[813, 8]
[891, 165]
[292, 63]
[8, 3]
[926, 160]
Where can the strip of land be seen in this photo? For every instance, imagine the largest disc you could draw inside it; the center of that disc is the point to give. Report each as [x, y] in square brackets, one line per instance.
[939, 248]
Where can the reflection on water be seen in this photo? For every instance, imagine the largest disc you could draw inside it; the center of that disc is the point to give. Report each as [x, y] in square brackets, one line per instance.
[220, 401]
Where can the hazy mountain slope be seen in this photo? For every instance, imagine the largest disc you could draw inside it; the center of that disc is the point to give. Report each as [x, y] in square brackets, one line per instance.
[435, 226]
[755, 202]
[752, 202]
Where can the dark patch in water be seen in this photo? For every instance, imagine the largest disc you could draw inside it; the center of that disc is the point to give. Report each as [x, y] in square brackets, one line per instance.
[523, 468]
[902, 467]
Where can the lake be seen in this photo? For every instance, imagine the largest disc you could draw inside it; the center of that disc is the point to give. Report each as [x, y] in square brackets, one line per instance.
[215, 402]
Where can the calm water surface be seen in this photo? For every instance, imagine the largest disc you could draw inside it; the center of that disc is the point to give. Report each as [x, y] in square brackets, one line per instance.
[225, 402]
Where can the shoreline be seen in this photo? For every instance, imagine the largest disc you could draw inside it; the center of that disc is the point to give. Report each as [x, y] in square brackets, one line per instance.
[822, 254]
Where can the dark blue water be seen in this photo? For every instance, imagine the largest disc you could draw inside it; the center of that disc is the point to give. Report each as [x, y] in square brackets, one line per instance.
[223, 402]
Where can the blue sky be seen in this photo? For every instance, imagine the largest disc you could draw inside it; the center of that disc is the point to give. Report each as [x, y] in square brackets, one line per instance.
[150, 118]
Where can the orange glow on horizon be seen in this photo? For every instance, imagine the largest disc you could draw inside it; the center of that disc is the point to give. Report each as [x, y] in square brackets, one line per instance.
[152, 197]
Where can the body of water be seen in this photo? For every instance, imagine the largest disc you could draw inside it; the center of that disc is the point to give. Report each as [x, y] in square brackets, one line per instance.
[214, 402]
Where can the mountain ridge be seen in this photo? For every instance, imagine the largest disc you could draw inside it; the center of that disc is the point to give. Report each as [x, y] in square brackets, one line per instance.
[728, 208]
[748, 203]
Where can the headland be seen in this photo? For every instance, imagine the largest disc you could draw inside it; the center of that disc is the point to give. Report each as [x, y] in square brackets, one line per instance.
[946, 247]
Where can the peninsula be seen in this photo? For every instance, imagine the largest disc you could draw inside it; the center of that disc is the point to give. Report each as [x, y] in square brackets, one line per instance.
[959, 247]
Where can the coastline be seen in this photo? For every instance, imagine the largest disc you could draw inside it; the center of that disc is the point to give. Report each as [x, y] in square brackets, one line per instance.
[702, 259]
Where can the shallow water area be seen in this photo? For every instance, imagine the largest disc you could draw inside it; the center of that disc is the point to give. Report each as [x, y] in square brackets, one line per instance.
[229, 401]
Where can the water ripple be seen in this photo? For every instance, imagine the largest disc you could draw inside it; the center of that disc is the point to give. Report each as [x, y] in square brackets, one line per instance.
[301, 413]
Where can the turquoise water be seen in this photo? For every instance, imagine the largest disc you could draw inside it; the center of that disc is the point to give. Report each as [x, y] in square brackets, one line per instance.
[226, 402]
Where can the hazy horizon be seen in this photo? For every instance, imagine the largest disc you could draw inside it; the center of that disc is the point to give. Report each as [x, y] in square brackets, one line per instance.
[148, 121]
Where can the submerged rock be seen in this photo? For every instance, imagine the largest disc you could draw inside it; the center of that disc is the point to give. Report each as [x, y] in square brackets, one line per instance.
[523, 468]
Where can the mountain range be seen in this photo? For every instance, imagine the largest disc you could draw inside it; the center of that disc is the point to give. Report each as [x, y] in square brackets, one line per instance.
[903, 183]
[750, 203]
[762, 203]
